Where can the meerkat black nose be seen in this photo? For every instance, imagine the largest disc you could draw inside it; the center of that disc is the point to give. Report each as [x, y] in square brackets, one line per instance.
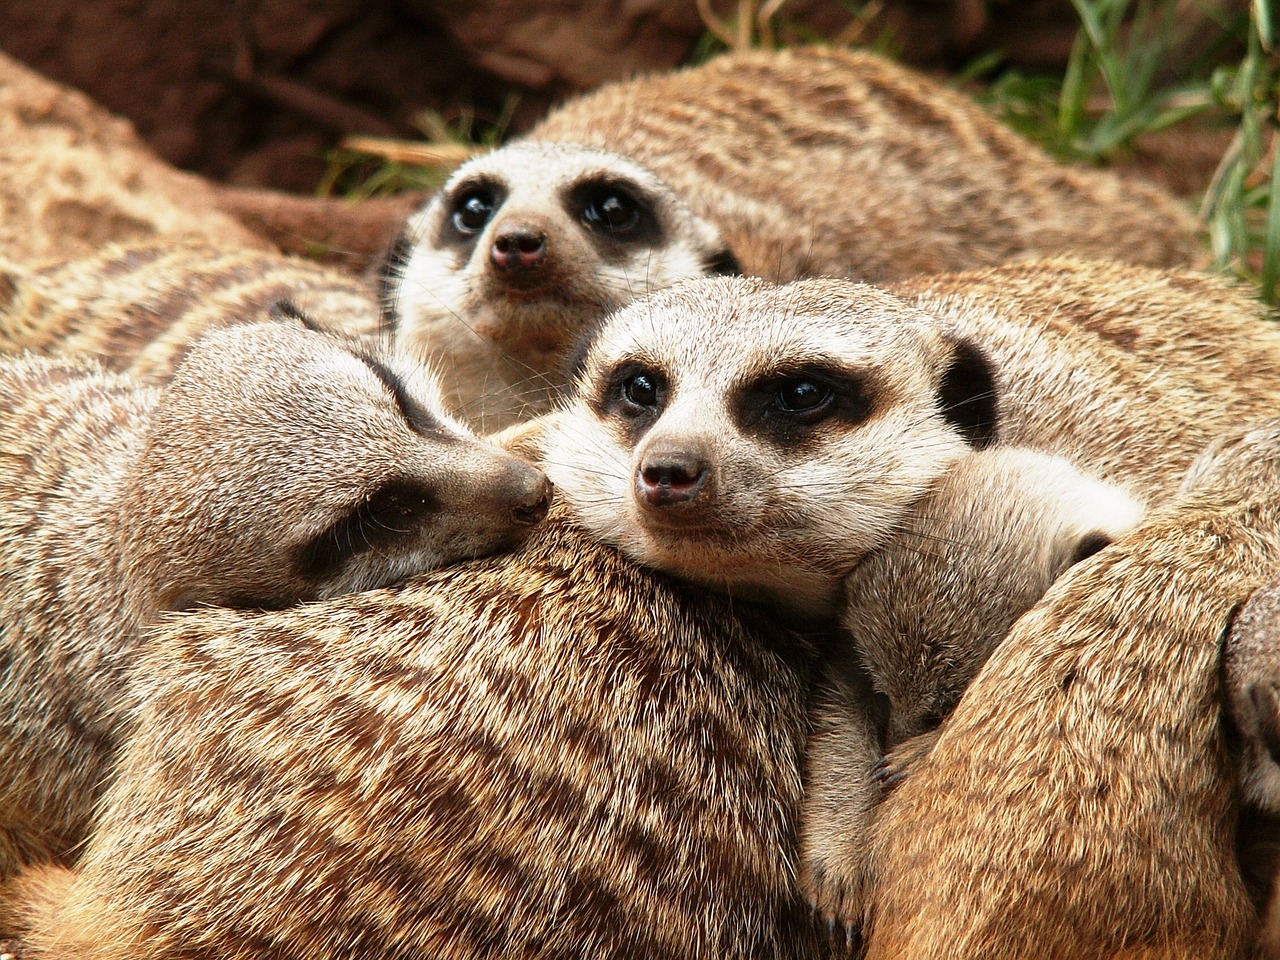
[518, 247]
[670, 478]
[533, 506]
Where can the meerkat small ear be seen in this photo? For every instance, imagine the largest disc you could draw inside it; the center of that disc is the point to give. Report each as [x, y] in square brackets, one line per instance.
[722, 264]
[390, 269]
[967, 394]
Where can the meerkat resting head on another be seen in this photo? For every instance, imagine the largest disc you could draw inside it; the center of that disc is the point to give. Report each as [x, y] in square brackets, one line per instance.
[524, 250]
[324, 466]
[763, 439]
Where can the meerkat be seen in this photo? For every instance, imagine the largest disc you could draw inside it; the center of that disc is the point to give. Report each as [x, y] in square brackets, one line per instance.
[763, 439]
[550, 753]
[924, 612]
[790, 164]
[1251, 678]
[519, 254]
[1080, 801]
[730, 423]
[280, 465]
[138, 307]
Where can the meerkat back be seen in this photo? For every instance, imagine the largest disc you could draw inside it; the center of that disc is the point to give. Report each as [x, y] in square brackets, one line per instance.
[139, 307]
[825, 162]
[552, 753]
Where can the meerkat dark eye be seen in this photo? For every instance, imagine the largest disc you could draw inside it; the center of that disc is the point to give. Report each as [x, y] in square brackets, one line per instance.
[612, 211]
[803, 396]
[472, 210]
[641, 390]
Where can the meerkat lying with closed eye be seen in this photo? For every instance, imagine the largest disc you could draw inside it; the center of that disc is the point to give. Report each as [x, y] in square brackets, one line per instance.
[280, 465]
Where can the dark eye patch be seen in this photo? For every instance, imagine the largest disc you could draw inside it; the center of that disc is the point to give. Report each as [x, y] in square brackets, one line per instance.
[618, 214]
[468, 209]
[633, 393]
[788, 405]
[418, 417]
[394, 511]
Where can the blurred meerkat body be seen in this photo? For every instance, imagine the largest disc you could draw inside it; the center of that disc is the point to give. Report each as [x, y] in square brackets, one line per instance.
[923, 613]
[1251, 678]
[1087, 761]
[824, 162]
[783, 165]
[279, 465]
[138, 307]
[552, 753]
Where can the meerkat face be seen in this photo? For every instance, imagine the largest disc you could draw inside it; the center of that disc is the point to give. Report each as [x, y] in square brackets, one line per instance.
[287, 464]
[975, 553]
[764, 438]
[526, 247]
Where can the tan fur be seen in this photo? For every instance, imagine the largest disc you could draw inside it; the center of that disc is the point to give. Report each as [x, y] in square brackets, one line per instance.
[277, 466]
[924, 612]
[806, 162]
[1252, 678]
[547, 754]
[138, 307]
[1079, 802]
[816, 161]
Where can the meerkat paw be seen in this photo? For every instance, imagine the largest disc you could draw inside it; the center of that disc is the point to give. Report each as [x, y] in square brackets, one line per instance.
[835, 895]
[895, 766]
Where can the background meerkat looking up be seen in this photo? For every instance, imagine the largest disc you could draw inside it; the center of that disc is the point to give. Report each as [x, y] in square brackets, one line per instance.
[279, 465]
[138, 307]
[548, 754]
[923, 613]
[780, 164]
[519, 254]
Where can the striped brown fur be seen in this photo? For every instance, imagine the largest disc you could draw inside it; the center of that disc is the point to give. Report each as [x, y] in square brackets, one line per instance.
[548, 754]
[120, 503]
[138, 307]
[815, 161]
[1080, 801]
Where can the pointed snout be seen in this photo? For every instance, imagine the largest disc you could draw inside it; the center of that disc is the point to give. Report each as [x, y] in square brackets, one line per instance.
[531, 494]
[676, 475]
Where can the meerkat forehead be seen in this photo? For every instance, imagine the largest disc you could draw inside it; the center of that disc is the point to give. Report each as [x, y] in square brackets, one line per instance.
[557, 182]
[721, 331]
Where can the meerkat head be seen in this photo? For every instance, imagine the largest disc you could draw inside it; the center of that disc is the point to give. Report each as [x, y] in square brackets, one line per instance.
[975, 553]
[525, 248]
[285, 464]
[763, 438]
